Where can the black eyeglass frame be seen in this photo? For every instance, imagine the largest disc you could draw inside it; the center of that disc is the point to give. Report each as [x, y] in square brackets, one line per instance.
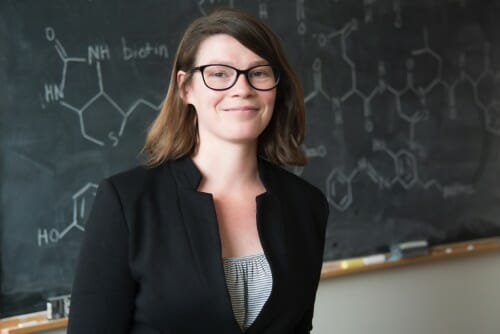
[238, 72]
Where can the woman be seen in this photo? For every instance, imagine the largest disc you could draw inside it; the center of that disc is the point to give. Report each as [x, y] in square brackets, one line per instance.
[211, 236]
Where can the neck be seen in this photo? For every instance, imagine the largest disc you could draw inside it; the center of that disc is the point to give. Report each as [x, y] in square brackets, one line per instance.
[227, 167]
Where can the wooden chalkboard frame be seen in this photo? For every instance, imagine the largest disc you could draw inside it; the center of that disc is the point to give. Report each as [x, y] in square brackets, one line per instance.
[332, 269]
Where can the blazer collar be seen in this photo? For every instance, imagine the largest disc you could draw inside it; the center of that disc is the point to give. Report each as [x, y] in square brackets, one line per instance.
[186, 173]
[189, 176]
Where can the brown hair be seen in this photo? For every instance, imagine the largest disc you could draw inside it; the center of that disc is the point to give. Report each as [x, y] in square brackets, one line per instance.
[174, 133]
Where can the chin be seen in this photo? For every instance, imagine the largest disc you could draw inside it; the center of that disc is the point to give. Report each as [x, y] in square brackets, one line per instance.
[243, 135]
[242, 139]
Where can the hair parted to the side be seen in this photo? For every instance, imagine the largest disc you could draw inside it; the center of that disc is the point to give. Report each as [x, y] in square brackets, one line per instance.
[174, 133]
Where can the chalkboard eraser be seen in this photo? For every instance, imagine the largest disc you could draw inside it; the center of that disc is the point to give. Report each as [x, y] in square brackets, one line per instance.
[409, 249]
[414, 248]
[58, 307]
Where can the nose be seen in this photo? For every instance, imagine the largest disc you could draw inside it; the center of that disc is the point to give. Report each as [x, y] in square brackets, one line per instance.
[242, 86]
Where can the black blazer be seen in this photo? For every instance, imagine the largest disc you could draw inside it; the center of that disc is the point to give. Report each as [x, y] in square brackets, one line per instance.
[150, 260]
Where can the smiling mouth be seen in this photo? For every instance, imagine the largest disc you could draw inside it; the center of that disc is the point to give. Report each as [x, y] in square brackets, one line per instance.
[241, 109]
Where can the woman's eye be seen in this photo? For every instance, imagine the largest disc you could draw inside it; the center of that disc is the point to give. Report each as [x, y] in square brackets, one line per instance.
[219, 74]
[260, 74]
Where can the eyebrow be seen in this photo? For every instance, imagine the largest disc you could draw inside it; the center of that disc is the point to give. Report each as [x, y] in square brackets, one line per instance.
[252, 64]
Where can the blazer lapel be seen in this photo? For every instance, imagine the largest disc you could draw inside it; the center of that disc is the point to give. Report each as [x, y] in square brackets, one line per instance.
[272, 233]
[199, 219]
[200, 222]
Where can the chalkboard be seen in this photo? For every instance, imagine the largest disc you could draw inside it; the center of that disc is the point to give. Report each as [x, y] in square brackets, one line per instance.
[403, 119]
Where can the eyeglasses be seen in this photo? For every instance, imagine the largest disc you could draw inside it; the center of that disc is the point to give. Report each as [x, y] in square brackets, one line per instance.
[222, 77]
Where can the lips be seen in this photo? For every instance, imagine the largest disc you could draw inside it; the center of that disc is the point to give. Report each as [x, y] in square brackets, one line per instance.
[241, 108]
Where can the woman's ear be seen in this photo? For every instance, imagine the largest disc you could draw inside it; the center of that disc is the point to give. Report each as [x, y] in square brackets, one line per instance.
[183, 86]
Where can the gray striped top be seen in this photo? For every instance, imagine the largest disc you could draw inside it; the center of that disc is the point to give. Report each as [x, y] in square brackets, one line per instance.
[249, 282]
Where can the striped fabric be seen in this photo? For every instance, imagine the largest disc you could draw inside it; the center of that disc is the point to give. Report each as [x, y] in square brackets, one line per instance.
[249, 282]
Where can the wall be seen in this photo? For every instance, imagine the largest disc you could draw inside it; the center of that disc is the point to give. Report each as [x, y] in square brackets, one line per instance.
[459, 296]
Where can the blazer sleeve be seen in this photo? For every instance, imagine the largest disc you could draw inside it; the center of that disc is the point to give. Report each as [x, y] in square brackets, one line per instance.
[103, 293]
[305, 325]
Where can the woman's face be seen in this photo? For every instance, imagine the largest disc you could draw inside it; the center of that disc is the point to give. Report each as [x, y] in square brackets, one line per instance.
[238, 114]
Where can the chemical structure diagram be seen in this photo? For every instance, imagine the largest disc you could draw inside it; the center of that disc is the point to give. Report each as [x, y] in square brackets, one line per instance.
[96, 55]
[82, 201]
[338, 186]
[204, 5]
[55, 93]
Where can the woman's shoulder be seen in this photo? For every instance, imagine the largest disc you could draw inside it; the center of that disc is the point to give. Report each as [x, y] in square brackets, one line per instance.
[135, 174]
[297, 192]
[290, 183]
[139, 178]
